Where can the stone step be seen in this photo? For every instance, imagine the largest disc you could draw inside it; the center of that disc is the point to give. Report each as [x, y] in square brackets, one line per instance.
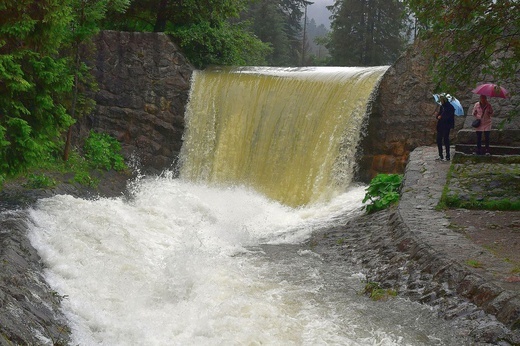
[510, 137]
[494, 149]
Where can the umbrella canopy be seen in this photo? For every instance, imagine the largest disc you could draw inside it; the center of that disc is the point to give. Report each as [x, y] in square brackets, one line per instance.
[454, 102]
[491, 90]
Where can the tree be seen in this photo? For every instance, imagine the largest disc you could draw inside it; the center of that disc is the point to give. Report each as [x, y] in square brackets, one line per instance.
[318, 37]
[209, 32]
[278, 23]
[34, 81]
[293, 10]
[366, 32]
[269, 25]
[84, 24]
[468, 38]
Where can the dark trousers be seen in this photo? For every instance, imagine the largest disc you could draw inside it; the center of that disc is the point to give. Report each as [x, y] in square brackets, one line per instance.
[479, 141]
[443, 137]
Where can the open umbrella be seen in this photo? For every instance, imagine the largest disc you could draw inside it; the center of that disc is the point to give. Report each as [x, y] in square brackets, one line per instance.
[454, 102]
[491, 90]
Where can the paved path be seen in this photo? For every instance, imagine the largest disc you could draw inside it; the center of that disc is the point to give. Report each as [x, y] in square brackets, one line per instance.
[422, 188]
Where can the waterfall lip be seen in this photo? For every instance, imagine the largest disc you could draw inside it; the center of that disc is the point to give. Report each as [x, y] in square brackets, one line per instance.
[298, 71]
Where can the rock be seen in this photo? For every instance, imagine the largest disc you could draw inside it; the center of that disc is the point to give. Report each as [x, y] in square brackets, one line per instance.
[144, 84]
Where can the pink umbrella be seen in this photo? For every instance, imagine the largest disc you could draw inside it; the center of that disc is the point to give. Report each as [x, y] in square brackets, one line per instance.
[491, 90]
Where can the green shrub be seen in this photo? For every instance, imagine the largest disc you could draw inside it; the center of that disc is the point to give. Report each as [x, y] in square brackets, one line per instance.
[382, 192]
[84, 178]
[375, 292]
[103, 151]
[39, 181]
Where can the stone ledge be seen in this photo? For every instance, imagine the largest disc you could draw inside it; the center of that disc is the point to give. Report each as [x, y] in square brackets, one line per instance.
[428, 240]
[470, 149]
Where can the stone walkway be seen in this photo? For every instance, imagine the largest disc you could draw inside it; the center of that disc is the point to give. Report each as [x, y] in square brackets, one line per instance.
[422, 188]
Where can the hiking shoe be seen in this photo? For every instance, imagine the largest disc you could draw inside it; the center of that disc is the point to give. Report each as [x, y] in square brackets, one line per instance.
[439, 159]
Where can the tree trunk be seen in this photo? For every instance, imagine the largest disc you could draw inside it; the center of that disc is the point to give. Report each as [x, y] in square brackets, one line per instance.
[160, 22]
[66, 150]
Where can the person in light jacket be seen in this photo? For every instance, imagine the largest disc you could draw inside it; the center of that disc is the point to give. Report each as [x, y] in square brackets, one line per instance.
[483, 111]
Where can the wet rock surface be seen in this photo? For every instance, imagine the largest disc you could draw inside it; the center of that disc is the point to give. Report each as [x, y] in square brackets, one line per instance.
[29, 309]
[412, 249]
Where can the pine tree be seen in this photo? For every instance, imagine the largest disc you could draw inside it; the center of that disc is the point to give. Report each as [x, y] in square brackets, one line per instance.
[278, 23]
[34, 81]
[366, 32]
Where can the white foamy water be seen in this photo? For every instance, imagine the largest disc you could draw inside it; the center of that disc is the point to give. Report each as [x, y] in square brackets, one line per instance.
[185, 264]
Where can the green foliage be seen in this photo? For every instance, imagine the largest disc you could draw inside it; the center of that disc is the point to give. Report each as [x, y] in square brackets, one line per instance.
[209, 33]
[279, 24]
[224, 44]
[474, 263]
[39, 181]
[382, 192]
[366, 33]
[467, 38]
[34, 80]
[375, 292]
[103, 151]
[84, 178]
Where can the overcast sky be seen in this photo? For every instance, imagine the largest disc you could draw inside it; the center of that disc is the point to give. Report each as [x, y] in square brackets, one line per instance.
[319, 12]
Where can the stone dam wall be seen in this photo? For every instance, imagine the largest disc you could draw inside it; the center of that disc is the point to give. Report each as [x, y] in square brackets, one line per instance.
[144, 84]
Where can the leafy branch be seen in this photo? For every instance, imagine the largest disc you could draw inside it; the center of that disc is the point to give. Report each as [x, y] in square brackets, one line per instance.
[382, 192]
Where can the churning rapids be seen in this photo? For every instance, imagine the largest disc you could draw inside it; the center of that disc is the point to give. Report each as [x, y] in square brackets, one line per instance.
[214, 256]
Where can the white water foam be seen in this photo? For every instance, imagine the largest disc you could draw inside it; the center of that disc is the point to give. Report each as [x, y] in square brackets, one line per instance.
[180, 264]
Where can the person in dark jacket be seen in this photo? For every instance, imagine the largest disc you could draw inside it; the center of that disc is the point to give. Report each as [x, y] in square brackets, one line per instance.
[445, 122]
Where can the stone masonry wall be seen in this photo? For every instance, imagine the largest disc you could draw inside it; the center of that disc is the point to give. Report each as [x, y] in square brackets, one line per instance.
[144, 83]
[145, 80]
[402, 116]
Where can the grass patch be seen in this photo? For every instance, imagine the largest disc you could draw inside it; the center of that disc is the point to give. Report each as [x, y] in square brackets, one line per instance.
[455, 201]
[482, 183]
[39, 181]
[442, 205]
[474, 159]
[100, 153]
[474, 264]
[375, 292]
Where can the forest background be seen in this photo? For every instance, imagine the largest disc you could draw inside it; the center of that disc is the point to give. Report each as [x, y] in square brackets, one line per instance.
[45, 83]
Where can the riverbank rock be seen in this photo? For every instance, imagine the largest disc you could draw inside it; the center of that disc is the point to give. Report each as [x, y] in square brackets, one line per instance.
[29, 309]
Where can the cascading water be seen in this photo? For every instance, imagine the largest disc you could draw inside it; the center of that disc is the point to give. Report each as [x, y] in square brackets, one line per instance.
[289, 133]
[213, 257]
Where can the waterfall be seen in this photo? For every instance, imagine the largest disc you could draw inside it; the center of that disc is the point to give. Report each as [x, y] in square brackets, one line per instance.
[289, 133]
[220, 256]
